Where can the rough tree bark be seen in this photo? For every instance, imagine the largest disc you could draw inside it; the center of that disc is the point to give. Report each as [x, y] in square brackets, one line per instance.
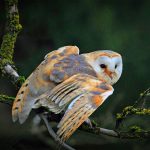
[8, 69]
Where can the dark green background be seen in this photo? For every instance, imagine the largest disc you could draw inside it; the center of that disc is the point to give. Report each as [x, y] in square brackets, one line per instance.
[119, 25]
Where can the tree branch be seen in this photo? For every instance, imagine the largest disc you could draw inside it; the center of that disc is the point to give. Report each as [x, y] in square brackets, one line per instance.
[53, 134]
[6, 99]
[136, 109]
[133, 133]
[12, 29]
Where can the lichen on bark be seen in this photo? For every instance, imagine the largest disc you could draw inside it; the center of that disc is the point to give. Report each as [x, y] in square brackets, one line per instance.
[6, 99]
[136, 109]
[20, 81]
[12, 29]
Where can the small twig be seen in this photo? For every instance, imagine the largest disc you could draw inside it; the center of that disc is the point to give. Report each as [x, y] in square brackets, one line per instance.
[53, 134]
[135, 109]
[142, 97]
[6, 99]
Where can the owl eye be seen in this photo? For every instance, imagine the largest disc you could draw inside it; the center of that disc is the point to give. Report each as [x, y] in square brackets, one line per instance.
[103, 66]
[116, 66]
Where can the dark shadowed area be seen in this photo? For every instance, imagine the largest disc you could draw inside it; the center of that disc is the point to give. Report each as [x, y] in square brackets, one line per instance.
[122, 26]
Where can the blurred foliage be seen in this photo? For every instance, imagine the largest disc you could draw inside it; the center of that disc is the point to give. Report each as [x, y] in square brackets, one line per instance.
[123, 26]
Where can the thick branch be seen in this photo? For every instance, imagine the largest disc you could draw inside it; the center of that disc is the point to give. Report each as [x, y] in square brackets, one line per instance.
[12, 29]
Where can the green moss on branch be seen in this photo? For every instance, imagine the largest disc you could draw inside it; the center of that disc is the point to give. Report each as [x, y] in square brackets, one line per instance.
[135, 109]
[13, 27]
[20, 81]
[6, 99]
[130, 110]
[135, 129]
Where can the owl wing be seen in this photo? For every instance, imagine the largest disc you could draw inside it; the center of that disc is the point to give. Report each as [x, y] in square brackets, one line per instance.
[39, 82]
[83, 93]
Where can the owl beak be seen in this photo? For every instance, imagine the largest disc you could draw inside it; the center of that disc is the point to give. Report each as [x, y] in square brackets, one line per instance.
[109, 73]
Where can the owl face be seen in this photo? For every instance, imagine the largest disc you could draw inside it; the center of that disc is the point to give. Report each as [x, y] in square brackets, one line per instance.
[107, 64]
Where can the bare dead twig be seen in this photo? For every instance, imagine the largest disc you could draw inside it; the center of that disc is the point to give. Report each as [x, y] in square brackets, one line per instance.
[53, 134]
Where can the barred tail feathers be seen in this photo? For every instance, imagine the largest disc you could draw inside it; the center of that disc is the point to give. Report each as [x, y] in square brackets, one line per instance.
[23, 103]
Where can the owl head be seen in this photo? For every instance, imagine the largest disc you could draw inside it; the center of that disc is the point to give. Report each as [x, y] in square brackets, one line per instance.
[107, 65]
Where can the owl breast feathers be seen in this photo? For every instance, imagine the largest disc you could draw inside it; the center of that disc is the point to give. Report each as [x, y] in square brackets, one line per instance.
[68, 81]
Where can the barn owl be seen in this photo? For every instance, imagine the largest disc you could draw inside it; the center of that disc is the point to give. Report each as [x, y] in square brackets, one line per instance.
[67, 80]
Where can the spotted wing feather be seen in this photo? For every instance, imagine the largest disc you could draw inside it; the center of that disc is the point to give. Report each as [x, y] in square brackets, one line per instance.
[39, 82]
[83, 93]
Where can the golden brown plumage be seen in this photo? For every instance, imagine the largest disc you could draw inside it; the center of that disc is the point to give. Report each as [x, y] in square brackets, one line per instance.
[68, 81]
